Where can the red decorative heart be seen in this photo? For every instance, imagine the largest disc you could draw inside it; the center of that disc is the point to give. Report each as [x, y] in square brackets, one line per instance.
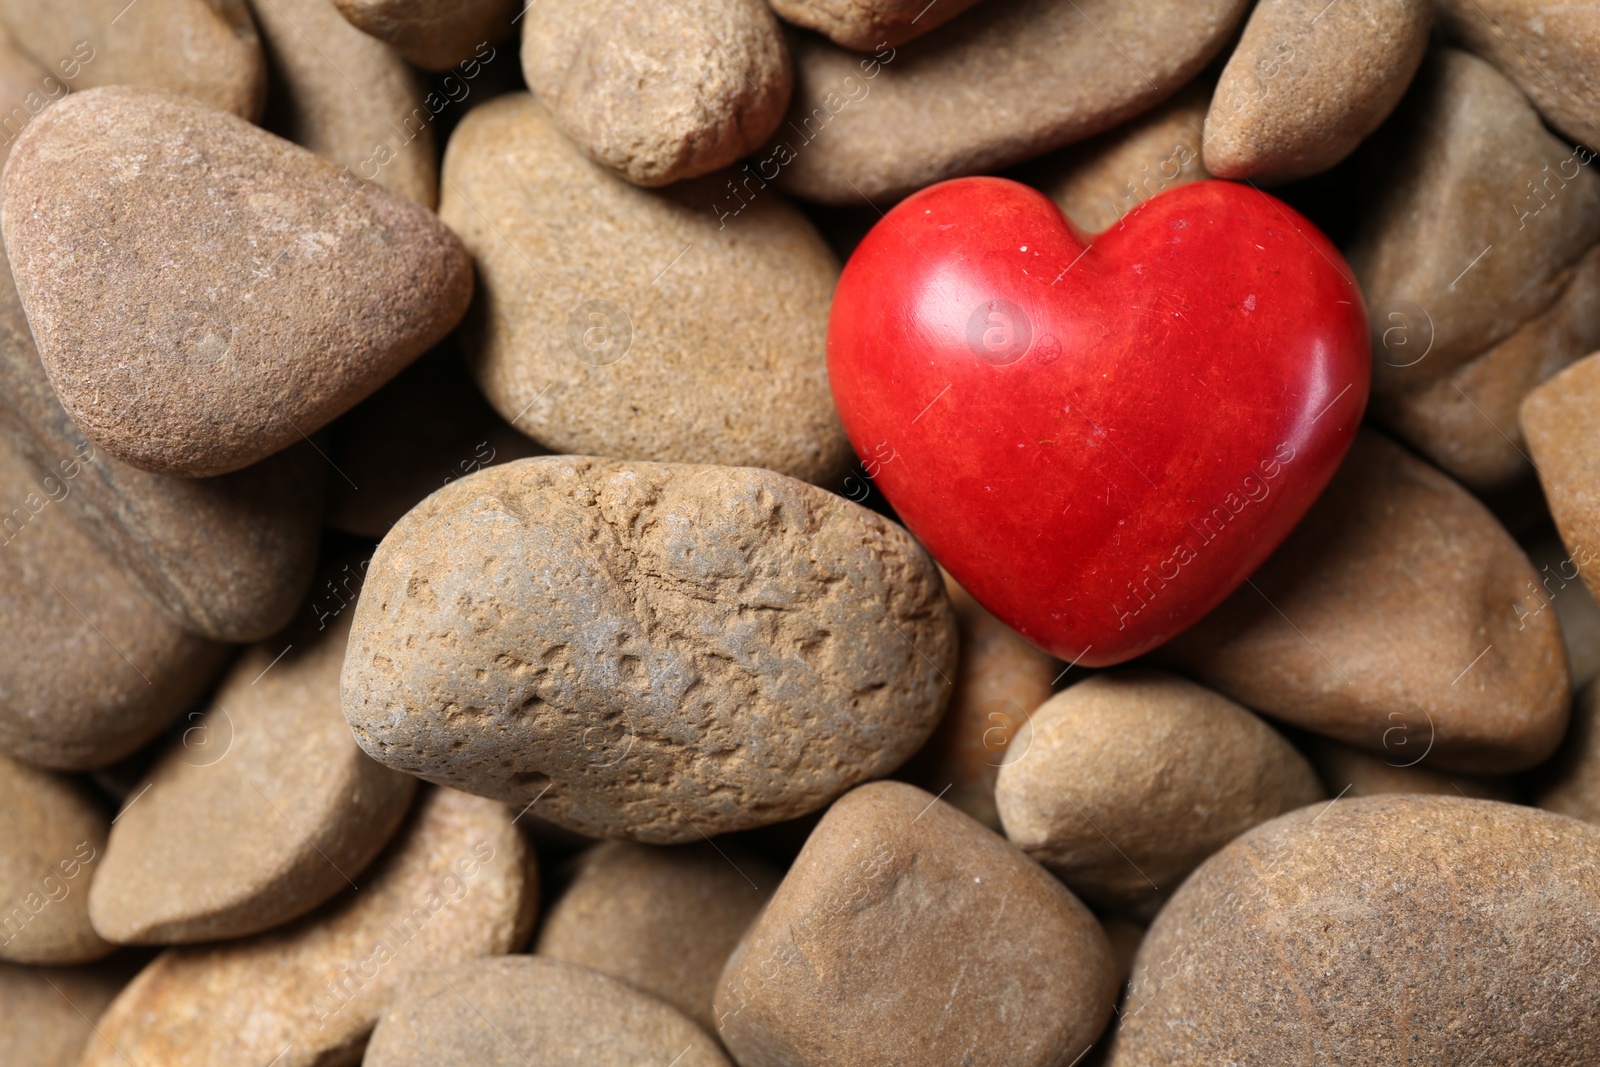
[1100, 438]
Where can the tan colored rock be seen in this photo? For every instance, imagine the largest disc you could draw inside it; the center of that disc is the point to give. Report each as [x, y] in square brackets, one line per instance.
[266, 809]
[1126, 782]
[1000, 679]
[205, 49]
[92, 668]
[55, 836]
[1550, 50]
[1309, 81]
[456, 884]
[1560, 586]
[26, 89]
[1560, 423]
[523, 1010]
[614, 76]
[269, 295]
[1386, 621]
[1352, 772]
[420, 432]
[434, 34]
[658, 651]
[1435, 928]
[348, 97]
[1008, 82]
[1479, 219]
[1466, 422]
[580, 337]
[664, 920]
[1570, 783]
[865, 25]
[51, 1011]
[1096, 183]
[897, 908]
[228, 557]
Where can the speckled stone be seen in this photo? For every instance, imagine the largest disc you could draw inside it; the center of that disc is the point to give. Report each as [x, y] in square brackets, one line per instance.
[658, 651]
[664, 920]
[49, 855]
[228, 557]
[864, 25]
[654, 93]
[269, 295]
[1551, 50]
[92, 668]
[434, 34]
[898, 907]
[523, 1010]
[596, 331]
[51, 1011]
[1096, 183]
[1126, 782]
[1000, 679]
[1353, 772]
[1466, 422]
[263, 810]
[1560, 422]
[1440, 929]
[456, 884]
[427, 428]
[205, 49]
[1477, 218]
[1386, 621]
[1309, 81]
[382, 131]
[1007, 82]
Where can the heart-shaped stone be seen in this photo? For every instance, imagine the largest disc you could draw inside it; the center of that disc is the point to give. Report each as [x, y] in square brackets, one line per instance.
[203, 293]
[1099, 438]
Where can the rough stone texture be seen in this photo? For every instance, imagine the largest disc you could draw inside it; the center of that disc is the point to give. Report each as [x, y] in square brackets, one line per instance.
[91, 668]
[433, 34]
[50, 1011]
[228, 557]
[518, 1011]
[616, 321]
[1551, 50]
[898, 907]
[1309, 81]
[205, 49]
[1009, 81]
[423, 430]
[230, 283]
[382, 131]
[1096, 183]
[1000, 679]
[1352, 772]
[1479, 218]
[1386, 621]
[264, 810]
[1126, 782]
[664, 920]
[455, 885]
[1560, 587]
[26, 89]
[1570, 783]
[1561, 423]
[1466, 422]
[55, 833]
[656, 93]
[659, 651]
[865, 25]
[1382, 930]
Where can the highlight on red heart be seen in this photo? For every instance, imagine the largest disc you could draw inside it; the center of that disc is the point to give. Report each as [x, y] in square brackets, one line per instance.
[1099, 437]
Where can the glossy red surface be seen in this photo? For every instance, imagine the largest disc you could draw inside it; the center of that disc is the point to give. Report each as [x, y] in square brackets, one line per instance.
[1100, 438]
